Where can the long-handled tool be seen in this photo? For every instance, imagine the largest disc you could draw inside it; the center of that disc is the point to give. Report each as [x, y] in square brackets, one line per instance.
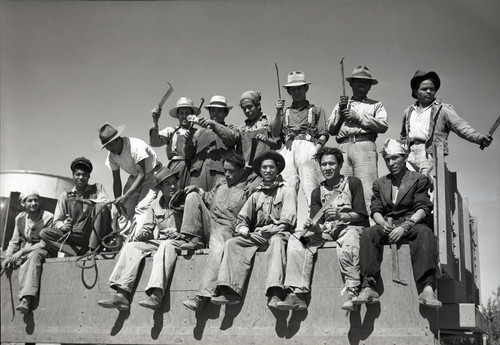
[278, 78]
[343, 78]
[166, 95]
[492, 130]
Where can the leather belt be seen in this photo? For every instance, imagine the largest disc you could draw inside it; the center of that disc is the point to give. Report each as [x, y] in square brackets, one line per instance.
[356, 138]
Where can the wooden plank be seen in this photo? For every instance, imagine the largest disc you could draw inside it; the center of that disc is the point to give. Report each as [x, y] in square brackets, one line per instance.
[68, 311]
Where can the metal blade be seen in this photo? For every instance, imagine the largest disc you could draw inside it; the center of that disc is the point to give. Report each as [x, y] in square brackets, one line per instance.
[166, 95]
[495, 126]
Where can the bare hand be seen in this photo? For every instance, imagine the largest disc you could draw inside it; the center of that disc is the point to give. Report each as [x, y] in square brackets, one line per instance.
[244, 231]
[120, 201]
[261, 137]
[396, 234]
[309, 226]
[350, 115]
[332, 213]
[388, 227]
[205, 123]
[68, 223]
[485, 140]
[344, 101]
[156, 113]
[280, 104]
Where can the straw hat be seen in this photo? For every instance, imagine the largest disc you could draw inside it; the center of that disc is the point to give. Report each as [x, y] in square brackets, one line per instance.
[296, 78]
[183, 102]
[218, 102]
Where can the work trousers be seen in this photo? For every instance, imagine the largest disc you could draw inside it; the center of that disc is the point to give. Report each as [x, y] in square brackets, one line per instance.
[30, 272]
[419, 160]
[126, 270]
[423, 252]
[360, 160]
[137, 204]
[86, 234]
[196, 218]
[301, 167]
[238, 257]
[300, 259]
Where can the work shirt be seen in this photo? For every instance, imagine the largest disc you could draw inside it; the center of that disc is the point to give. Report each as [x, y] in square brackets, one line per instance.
[372, 119]
[27, 231]
[173, 138]
[134, 150]
[160, 219]
[419, 123]
[247, 143]
[298, 122]
[77, 211]
[271, 207]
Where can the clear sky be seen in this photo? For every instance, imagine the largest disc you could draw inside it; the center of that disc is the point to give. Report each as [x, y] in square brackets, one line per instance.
[66, 67]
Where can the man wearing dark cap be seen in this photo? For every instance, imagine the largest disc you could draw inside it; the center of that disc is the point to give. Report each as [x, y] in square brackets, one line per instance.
[356, 123]
[137, 159]
[266, 220]
[81, 216]
[302, 127]
[428, 121]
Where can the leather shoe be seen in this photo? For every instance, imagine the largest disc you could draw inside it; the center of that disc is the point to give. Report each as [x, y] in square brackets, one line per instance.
[153, 302]
[196, 303]
[366, 296]
[117, 301]
[429, 299]
[292, 302]
[273, 302]
[194, 244]
[348, 304]
[225, 299]
[24, 306]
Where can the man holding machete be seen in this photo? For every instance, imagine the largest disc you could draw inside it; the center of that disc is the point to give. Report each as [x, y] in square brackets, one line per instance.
[428, 121]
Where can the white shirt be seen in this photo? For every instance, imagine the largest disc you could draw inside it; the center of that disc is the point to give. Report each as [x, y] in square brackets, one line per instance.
[134, 150]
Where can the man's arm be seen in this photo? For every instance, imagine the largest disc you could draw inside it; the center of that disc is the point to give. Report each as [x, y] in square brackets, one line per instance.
[376, 123]
[117, 183]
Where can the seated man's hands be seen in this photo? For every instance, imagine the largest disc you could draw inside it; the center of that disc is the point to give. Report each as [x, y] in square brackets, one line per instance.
[396, 234]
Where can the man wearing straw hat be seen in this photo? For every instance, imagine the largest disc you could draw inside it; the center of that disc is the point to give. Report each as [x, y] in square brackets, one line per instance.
[137, 159]
[27, 249]
[429, 121]
[205, 147]
[303, 130]
[81, 217]
[356, 123]
[174, 138]
[160, 236]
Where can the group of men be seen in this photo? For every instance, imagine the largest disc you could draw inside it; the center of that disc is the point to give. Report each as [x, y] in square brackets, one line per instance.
[234, 190]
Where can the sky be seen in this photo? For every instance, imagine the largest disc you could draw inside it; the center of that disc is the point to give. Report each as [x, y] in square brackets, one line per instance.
[67, 67]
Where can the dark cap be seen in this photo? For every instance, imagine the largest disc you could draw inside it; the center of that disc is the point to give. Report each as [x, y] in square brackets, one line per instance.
[82, 163]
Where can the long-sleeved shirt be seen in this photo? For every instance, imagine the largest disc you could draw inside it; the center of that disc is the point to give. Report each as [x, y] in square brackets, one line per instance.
[247, 141]
[27, 231]
[208, 146]
[172, 138]
[372, 119]
[275, 208]
[160, 219]
[78, 212]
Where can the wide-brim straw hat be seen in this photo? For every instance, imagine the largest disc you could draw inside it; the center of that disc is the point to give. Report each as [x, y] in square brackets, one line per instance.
[296, 78]
[420, 76]
[107, 133]
[183, 102]
[362, 72]
[218, 102]
[257, 162]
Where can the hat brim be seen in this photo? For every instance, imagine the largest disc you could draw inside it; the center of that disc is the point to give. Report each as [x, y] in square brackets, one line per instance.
[173, 112]
[99, 146]
[373, 80]
[297, 83]
[228, 107]
[429, 75]
[257, 162]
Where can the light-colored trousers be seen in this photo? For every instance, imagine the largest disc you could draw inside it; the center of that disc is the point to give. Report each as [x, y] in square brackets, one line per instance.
[237, 260]
[418, 160]
[300, 259]
[30, 273]
[138, 203]
[301, 167]
[126, 270]
[360, 160]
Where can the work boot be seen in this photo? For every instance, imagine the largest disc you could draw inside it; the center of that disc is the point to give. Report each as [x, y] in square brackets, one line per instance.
[428, 298]
[193, 244]
[292, 302]
[348, 304]
[117, 301]
[153, 302]
[24, 306]
[273, 302]
[196, 303]
[366, 296]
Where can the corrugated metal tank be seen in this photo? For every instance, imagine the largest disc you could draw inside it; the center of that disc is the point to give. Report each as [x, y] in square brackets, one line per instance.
[50, 186]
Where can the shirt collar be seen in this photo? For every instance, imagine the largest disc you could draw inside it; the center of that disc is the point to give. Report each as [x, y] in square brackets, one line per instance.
[307, 105]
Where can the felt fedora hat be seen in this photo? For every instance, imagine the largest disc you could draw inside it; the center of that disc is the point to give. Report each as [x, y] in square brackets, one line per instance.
[107, 133]
[164, 173]
[362, 72]
[218, 102]
[420, 76]
[183, 102]
[296, 78]
[257, 162]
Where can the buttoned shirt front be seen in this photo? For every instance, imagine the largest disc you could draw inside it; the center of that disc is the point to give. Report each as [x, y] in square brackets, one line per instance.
[419, 123]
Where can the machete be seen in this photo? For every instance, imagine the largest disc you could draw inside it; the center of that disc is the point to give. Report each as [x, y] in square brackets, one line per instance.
[492, 130]
[166, 95]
